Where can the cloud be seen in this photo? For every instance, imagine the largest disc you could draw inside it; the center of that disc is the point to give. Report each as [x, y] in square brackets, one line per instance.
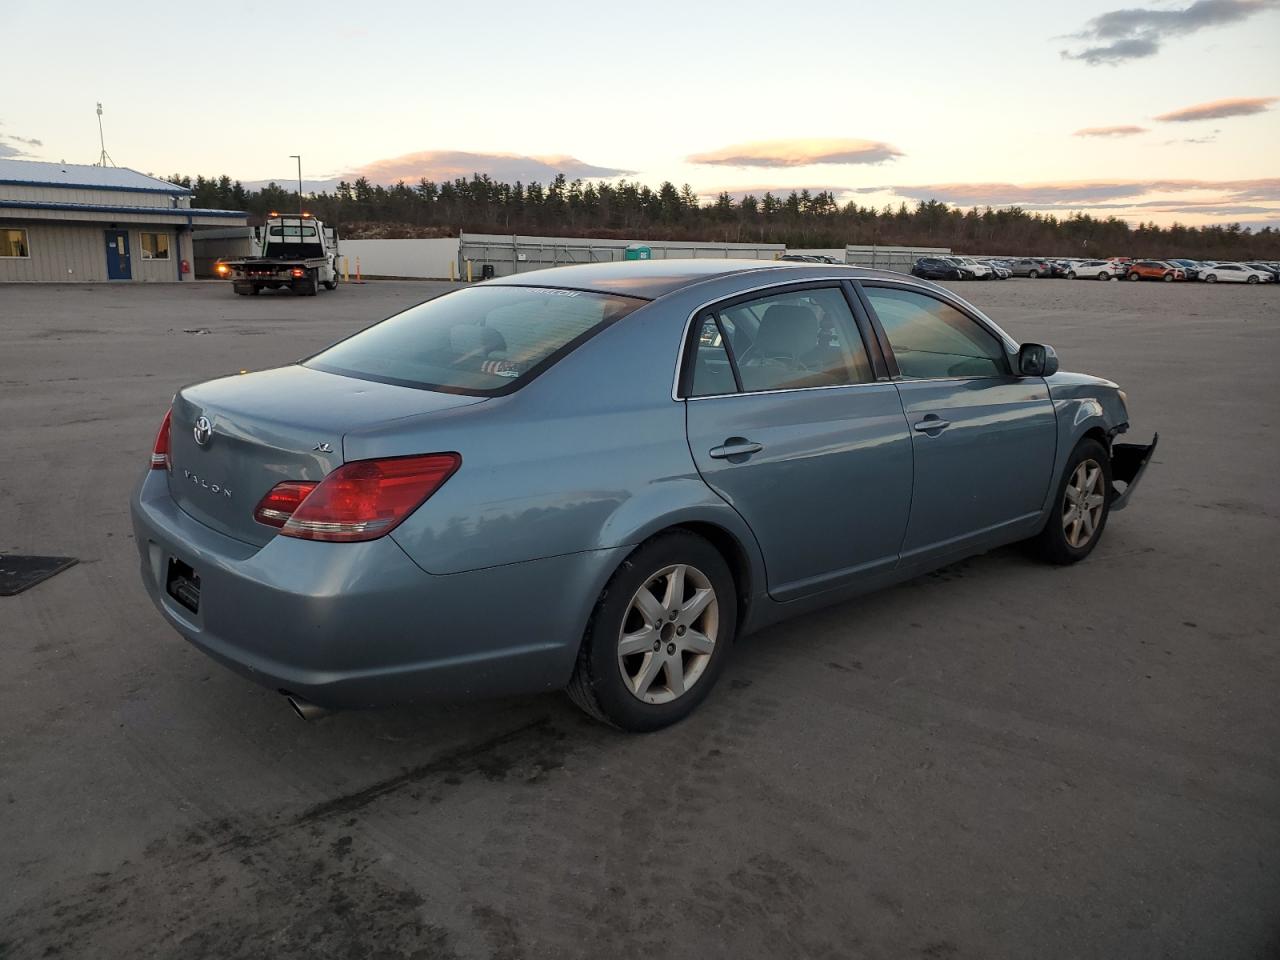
[441, 165]
[1082, 193]
[1217, 109]
[1137, 32]
[798, 153]
[15, 148]
[1127, 130]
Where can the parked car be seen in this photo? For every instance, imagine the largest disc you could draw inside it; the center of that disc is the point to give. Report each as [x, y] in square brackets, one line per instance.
[429, 508]
[1095, 270]
[1233, 273]
[936, 268]
[1273, 273]
[1029, 267]
[809, 258]
[1000, 269]
[1191, 268]
[1060, 268]
[979, 269]
[966, 273]
[1155, 270]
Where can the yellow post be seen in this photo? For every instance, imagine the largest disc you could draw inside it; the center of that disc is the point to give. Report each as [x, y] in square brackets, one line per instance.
[346, 270]
[468, 271]
[452, 271]
[358, 279]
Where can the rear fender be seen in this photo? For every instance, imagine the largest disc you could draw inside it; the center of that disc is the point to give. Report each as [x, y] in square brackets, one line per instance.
[683, 502]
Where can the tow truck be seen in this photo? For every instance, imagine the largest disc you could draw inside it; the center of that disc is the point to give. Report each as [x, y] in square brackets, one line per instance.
[298, 253]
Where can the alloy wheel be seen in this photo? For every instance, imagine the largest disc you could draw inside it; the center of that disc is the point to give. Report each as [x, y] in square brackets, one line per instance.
[668, 634]
[1083, 503]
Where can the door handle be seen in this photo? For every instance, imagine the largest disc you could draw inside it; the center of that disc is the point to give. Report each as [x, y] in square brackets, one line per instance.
[734, 447]
[932, 424]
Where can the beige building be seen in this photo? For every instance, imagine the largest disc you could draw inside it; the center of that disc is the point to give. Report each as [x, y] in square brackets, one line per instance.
[66, 221]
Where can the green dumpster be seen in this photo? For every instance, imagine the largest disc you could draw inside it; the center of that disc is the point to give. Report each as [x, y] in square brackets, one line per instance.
[638, 251]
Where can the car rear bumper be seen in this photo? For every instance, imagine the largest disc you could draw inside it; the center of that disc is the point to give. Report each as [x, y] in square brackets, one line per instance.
[360, 624]
[1128, 463]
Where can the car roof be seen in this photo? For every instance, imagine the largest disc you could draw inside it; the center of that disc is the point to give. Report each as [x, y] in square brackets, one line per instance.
[651, 279]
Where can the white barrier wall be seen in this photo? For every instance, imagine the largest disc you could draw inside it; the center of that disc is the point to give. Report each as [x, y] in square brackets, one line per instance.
[415, 259]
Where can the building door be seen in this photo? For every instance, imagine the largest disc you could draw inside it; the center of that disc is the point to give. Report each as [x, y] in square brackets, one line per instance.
[119, 266]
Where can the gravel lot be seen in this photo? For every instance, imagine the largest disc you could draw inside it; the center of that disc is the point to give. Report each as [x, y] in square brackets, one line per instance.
[997, 760]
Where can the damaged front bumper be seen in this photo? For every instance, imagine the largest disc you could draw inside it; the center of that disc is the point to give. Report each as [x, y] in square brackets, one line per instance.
[1128, 463]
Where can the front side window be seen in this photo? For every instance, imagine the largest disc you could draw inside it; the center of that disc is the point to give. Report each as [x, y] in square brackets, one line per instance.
[155, 246]
[480, 341]
[932, 339]
[13, 243]
[788, 341]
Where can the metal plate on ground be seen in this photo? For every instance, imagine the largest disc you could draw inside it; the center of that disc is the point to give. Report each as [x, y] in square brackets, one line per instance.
[18, 573]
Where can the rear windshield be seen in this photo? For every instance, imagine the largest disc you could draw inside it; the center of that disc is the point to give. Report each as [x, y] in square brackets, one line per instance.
[481, 340]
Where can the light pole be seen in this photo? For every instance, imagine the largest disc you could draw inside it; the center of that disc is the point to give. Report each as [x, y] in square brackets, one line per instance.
[294, 156]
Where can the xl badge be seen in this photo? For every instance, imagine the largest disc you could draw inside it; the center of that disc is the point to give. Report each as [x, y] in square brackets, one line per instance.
[202, 431]
[322, 447]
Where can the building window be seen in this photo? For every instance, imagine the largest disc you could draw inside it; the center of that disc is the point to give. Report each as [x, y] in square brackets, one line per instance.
[155, 246]
[13, 243]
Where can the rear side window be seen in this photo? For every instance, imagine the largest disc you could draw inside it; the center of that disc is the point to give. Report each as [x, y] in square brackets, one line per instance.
[481, 340]
[788, 341]
[932, 339]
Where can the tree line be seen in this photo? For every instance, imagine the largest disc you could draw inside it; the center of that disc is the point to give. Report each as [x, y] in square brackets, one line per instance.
[800, 219]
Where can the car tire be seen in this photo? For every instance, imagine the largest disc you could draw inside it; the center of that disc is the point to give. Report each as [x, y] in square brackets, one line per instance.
[1032, 274]
[1169, 278]
[1075, 526]
[1134, 277]
[1103, 275]
[639, 691]
[1071, 274]
[1252, 280]
[1211, 278]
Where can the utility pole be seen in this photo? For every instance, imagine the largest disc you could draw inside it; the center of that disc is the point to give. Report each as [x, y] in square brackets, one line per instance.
[294, 156]
[104, 158]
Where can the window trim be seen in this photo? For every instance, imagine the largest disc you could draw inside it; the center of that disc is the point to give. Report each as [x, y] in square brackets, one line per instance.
[682, 383]
[1002, 338]
[142, 247]
[26, 242]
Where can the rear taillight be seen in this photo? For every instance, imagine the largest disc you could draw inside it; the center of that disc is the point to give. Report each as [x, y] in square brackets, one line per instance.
[281, 501]
[160, 452]
[363, 500]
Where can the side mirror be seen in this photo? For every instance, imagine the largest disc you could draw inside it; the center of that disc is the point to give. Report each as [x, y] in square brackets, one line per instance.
[1037, 360]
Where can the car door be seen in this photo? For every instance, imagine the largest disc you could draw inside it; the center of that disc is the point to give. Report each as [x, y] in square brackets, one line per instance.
[793, 421]
[984, 440]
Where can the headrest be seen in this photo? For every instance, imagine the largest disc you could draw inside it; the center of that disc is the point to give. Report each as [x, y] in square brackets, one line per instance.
[786, 330]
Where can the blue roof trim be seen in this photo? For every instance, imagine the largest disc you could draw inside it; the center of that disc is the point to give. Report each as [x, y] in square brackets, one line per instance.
[102, 208]
[173, 189]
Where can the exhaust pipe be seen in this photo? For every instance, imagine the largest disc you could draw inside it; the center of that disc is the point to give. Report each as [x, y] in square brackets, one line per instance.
[305, 708]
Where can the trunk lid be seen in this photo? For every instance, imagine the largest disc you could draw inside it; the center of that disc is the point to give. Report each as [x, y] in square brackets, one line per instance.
[263, 428]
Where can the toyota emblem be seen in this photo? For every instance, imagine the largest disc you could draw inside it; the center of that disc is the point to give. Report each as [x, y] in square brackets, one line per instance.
[203, 431]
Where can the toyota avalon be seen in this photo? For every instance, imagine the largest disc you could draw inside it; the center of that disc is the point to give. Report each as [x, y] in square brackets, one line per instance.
[596, 478]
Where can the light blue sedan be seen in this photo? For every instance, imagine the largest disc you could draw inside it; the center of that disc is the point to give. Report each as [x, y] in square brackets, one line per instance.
[597, 477]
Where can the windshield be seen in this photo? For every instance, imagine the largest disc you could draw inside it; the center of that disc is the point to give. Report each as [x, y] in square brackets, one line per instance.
[482, 340]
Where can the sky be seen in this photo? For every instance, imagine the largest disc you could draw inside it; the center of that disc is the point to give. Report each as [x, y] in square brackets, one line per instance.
[1161, 111]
